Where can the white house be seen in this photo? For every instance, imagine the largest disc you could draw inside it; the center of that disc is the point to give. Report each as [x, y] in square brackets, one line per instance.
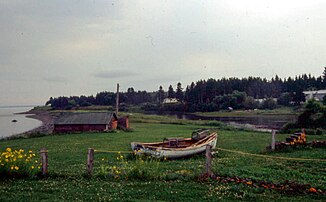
[315, 94]
[170, 100]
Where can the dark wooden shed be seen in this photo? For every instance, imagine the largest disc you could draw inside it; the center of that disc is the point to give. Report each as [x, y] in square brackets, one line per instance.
[92, 121]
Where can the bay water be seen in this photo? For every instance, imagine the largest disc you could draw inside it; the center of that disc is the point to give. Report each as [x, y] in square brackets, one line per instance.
[12, 123]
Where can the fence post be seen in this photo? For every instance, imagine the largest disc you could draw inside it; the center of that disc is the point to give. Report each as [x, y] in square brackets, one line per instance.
[44, 160]
[90, 161]
[209, 160]
[273, 140]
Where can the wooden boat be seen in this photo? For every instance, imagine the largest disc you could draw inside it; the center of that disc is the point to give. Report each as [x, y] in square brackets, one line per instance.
[172, 148]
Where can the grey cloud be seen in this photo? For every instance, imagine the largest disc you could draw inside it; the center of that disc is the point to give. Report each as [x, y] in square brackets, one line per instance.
[114, 74]
[56, 79]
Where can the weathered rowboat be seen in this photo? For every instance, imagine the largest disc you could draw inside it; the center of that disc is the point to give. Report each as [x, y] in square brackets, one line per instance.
[172, 148]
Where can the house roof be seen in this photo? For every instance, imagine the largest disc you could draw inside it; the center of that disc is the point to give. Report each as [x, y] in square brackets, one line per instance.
[315, 92]
[94, 118]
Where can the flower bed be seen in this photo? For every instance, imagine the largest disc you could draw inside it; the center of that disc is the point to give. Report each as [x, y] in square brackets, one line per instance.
[18, 163]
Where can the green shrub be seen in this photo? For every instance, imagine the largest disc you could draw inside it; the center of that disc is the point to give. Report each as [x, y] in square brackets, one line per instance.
[18, 163]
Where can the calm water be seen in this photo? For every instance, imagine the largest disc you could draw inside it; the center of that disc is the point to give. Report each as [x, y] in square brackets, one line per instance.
[266, 123]
[263, 122]
[23, 124]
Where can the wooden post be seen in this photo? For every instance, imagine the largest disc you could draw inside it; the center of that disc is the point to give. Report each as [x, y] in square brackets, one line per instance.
[117, 101]
[90, 161]
[273, 140]
[209, 160]
[44, 160]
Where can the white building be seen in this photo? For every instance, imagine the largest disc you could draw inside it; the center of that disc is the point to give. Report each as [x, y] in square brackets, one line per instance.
[315, 94]
[170, 100]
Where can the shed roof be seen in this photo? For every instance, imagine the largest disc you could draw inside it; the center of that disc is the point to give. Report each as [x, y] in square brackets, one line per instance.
[94, 118]
[315, 92]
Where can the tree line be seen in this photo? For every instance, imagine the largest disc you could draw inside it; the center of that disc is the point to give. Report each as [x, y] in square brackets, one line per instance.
[208, 95]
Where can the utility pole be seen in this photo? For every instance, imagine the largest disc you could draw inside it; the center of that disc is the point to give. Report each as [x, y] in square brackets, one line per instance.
[117, 101]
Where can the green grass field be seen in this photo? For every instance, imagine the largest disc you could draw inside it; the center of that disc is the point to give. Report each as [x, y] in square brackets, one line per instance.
[175, 180]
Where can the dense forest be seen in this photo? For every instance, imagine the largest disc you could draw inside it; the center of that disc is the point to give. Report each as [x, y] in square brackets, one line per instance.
[208, 95]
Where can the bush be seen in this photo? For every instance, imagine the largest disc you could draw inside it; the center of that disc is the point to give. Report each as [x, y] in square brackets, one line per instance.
[250, 103]
[17, 163]
[269, 103]
[85, 104]
[149, 107]
[173, 107]
[285, 99]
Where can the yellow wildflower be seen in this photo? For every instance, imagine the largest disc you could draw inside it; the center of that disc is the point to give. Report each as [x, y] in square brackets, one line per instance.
[20, 156]
[8, 149]
[12, 167]
[16, 168]
[6, 160]
[32, 167]
[36, 161]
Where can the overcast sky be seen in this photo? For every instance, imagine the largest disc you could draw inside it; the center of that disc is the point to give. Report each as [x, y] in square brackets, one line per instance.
[52, 48]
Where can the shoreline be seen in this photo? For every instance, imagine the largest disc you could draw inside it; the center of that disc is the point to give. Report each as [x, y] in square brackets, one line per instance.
[44, 129]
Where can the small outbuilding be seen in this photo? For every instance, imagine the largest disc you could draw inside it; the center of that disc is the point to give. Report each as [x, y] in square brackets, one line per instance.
[317, 94]
[79, 122]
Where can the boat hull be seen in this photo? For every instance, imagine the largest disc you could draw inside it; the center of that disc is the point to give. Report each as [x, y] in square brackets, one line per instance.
[173, 153]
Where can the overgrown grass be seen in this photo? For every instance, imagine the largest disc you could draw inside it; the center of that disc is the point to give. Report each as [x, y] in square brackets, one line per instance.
[173, 180]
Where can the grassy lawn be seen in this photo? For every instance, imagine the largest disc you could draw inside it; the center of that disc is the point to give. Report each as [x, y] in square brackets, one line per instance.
[174, 180]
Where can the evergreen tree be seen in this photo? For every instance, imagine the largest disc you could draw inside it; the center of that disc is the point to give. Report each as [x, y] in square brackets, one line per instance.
[179, 93]
[160, 94]
[171, 92]
[131, 95]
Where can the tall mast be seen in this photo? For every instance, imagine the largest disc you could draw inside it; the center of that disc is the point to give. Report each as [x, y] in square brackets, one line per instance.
[117, 101]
